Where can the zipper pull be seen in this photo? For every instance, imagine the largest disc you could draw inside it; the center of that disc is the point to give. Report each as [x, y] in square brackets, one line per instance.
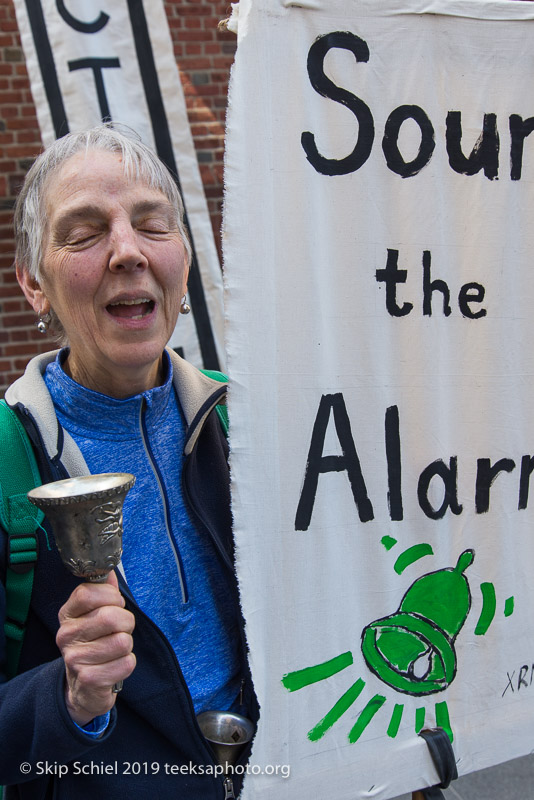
[228, 789]
[241, 690]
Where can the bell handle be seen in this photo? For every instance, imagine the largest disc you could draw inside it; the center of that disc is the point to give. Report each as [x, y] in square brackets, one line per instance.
[117, 687]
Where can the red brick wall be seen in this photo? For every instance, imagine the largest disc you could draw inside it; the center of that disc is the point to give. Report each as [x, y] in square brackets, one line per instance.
[204, 55]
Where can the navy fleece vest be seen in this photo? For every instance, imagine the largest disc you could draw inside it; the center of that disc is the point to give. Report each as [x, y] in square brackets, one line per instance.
[172, 570]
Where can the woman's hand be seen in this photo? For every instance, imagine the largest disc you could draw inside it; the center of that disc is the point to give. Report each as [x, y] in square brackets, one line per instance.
[95, 639]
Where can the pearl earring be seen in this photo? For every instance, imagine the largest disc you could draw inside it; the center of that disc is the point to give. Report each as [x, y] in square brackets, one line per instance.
[185, 308]
[43, 323]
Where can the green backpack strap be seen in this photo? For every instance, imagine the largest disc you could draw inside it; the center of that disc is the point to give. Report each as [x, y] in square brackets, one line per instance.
[20, 519]
[221, 409]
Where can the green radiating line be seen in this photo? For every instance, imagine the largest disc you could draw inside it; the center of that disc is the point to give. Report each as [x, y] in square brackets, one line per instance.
[367, 714]
[395, 720]
[508, 606]
[344, 702]
[419, 718]
[489, 604]
[303, 677]
[412, 554]
[388, 542]
[442, 719]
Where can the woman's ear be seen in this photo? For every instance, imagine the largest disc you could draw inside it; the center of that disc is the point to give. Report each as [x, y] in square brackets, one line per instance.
[32, 291]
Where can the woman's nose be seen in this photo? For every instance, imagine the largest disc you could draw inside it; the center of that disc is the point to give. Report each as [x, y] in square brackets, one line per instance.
[125, 252]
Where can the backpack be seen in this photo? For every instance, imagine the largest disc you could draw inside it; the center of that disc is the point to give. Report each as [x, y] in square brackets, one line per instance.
[221, 409]
[20, 519]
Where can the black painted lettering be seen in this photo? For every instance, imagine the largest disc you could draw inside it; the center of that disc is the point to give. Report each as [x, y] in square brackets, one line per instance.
[393, 457]
[519, 130]
[327, 88]
[391, 276]
[318, 463]
[390, 142]
[471, 293]
[97, 65]
[430, 286]
[527, 467]
[83, 27]
[521, 677]
[485, 153]
[486, 474]
[449, 476]
[509, 685]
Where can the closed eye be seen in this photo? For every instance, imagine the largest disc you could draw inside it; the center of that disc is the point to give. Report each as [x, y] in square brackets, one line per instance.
[153, 230]
[155, 219]
[153, 226]
[82, 238]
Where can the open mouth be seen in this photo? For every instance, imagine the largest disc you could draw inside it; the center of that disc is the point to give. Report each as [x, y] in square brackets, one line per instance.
[131, 309]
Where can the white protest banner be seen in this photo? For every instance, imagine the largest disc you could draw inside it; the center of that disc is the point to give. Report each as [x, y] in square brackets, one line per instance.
[90, 60]
[379, 246]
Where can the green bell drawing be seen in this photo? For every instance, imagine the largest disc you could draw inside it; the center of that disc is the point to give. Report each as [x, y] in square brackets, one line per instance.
[412, 650]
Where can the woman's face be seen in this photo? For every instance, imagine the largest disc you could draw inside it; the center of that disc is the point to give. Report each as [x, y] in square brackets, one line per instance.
[114, 271]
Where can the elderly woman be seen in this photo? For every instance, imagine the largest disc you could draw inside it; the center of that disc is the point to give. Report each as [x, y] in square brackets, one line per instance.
[103, 258]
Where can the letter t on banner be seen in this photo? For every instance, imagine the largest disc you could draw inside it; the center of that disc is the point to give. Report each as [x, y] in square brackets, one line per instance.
[117, 62]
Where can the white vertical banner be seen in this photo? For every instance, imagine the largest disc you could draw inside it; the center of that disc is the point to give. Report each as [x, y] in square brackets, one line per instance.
[379, 293]
[90, 60]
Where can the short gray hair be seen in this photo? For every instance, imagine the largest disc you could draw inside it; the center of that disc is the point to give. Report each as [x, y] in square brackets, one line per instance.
[140, 162]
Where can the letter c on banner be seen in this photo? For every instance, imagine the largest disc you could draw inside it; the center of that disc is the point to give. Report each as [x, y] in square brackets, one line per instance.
[327, 88]
[78, 25]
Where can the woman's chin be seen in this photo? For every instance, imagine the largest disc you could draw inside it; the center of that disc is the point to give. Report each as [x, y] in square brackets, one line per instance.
[118, 368]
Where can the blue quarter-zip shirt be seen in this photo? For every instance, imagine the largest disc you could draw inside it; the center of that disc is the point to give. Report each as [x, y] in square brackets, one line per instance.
[172, 569]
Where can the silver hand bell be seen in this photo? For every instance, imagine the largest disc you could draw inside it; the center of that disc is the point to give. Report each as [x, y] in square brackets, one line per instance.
[86, 518]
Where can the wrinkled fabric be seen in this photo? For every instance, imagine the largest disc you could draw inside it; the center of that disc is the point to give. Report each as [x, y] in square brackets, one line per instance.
[378, 246]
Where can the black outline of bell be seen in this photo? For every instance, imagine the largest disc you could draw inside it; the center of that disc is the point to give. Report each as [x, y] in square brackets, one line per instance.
[427, 621]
